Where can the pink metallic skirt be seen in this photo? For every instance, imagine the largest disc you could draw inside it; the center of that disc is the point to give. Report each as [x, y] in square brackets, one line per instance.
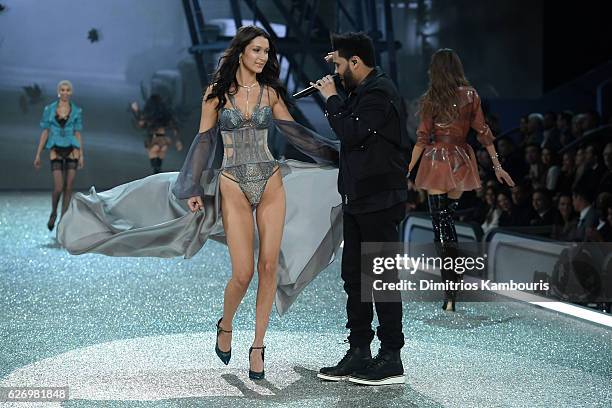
[447, 167]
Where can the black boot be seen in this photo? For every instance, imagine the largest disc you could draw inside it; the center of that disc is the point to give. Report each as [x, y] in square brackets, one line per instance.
[384, 369]
[356, 358]
[442, 210]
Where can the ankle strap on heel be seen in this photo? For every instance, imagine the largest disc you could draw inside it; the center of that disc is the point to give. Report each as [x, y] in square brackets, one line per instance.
[220, 329]
[262, 348]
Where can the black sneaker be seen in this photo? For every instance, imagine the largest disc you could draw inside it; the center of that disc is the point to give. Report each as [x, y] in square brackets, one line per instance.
[384, 369]
[356, 358]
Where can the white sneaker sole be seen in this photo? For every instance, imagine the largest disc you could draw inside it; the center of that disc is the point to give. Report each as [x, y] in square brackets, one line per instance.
[331, 378]
[398, 379]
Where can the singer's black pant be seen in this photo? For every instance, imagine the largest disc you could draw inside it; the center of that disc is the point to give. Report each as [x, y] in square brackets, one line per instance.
[378, 226]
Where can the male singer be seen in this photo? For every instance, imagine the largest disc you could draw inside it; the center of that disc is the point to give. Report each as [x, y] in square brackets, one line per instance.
[374, 158]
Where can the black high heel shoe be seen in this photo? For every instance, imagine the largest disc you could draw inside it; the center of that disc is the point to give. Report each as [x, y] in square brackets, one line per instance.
[51, 222]
[449, 305]
[225, 356]
[450, 295]
[254, 375]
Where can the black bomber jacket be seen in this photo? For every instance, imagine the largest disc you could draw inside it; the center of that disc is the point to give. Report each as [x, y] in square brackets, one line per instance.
[375, 147]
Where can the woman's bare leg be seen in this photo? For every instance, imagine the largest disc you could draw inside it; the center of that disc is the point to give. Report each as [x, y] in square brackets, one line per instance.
[162, 152]
[239, 229]
[153, 151]
[270, 222]
[455, 194]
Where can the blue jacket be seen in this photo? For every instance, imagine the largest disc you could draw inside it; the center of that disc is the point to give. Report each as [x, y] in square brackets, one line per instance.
[58, 136]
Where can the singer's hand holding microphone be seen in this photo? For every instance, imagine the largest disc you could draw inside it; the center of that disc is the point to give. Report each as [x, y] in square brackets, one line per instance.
[325, 85]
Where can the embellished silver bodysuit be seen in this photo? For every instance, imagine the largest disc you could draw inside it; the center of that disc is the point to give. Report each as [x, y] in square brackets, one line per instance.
[246, 157]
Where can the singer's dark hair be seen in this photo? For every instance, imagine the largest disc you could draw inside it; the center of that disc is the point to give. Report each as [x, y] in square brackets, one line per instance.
[358, 44]
[224, 78]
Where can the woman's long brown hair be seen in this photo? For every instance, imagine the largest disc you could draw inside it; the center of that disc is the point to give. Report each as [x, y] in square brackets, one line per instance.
[224, 78]
[445, 76]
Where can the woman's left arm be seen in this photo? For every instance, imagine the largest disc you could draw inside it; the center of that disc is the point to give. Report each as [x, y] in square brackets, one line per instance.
[77, 134]
[486, 138]
[317, 147]
[78, 127]
[279, 108]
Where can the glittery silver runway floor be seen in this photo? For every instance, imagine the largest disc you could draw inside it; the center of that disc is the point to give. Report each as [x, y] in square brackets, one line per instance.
[136, 332]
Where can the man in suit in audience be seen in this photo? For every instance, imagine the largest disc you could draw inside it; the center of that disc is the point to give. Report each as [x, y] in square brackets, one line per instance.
[582, 199]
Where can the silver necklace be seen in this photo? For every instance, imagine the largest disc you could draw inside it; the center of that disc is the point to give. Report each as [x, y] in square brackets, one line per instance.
[248, 88]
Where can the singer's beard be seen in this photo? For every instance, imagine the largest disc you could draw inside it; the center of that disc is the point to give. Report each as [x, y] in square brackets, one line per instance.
[348, 81]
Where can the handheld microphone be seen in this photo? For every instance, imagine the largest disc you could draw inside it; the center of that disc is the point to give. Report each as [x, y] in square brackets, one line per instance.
[308, 91]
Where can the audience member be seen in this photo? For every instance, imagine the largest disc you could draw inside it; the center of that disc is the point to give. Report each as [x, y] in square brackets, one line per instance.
[551, 168]
[564, 227]
[582, 200]
[544, 213]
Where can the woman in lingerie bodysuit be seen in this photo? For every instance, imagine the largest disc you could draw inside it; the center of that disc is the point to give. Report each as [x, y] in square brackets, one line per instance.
[250, 179]
[61, 125]
[285, 213]
[247, 160]
[159, 121]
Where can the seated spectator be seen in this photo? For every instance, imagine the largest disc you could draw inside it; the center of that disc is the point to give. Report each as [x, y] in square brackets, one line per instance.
[564, 227]
[510, 158]
[603, 206]
[507, 218]
[605, 184]
[536, 174]
[492, 213]
[592, 120]
[550, 134]
[544, 213]
[593, 169]
[535, 127]
[580, 166]
[552, 169]
[582, 200]
[603, 232]
[567, 174]
[521, 204]
[491, 183]
[604, 200]
[564, 126]
[578, 125]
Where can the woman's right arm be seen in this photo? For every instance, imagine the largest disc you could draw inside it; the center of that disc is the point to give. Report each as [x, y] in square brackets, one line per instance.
[423, 133]
[209, 115]
[41, 144]
[208, 119]
[45, 124]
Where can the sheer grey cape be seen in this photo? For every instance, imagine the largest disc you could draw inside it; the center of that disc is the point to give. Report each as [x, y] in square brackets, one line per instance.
[150, 217]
